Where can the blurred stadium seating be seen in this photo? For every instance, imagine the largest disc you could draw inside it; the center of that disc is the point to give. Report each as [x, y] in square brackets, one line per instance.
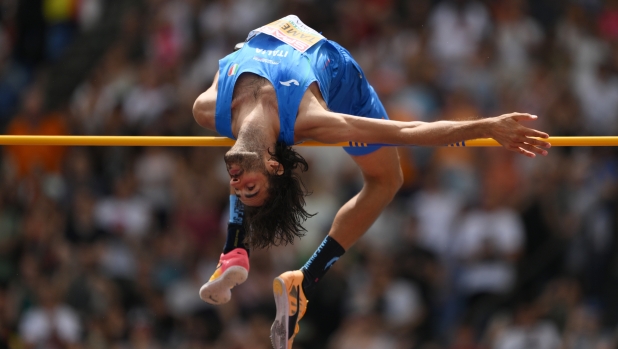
[106, 247]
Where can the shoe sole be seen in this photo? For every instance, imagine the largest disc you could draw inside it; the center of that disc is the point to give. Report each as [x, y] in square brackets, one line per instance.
[219, 291]
[279, 329]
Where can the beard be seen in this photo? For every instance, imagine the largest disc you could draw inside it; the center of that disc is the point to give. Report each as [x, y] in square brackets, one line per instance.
[247, 153]
[247, 161]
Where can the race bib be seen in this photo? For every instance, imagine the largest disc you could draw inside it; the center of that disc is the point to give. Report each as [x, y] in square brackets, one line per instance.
[292, 31]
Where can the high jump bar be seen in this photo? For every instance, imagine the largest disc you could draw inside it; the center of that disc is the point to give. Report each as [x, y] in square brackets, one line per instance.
[167, 141]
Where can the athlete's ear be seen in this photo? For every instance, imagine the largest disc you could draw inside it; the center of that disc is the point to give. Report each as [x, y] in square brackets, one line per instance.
[275, 167]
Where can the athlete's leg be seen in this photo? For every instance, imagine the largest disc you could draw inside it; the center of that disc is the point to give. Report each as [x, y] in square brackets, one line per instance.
[233, 267]
[351, 94]
[383, 177]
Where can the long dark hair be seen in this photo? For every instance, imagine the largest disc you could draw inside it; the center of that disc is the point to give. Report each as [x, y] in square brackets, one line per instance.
[279, 220]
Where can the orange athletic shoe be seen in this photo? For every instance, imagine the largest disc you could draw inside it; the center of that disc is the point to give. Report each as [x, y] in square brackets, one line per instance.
[232, 270]
[291, 306]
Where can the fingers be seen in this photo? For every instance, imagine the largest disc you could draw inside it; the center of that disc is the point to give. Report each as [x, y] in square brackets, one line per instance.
[526, 117]
[521, 151]
[530, 132]
[526, 149]
[535, 133]
[523, 116]
[532, 149]
[535, 142]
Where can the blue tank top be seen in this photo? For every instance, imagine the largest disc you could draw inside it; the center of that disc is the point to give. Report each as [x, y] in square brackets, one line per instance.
[288, 70]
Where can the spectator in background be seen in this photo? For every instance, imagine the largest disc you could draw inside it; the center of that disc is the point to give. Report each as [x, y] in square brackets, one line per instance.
[598, 96]
[516, 36]
[457, 29]
[13, 78]
[124, 213]
[527, 330]
[29, 160]
[81, 224]
[148, 99]
[51, 324]
[91, 103]
[435, 209]
[381, 292]
[60, 19]
[88, 13]
[154, 171]
[488, 243]
[576, 34]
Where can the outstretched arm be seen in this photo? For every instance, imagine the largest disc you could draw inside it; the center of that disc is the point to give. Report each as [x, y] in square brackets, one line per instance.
[329, 127]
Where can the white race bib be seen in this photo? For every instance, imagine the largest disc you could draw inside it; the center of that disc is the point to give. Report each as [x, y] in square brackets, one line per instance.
[292, 31]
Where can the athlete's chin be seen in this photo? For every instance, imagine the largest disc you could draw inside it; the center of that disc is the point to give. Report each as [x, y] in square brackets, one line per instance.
[243, 161]
[238, 157]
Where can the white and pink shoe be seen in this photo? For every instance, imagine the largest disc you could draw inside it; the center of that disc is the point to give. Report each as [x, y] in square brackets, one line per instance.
[232, 270]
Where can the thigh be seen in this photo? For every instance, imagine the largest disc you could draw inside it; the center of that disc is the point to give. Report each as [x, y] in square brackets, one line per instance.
[370, 108]
[381, 164]
[352, 94]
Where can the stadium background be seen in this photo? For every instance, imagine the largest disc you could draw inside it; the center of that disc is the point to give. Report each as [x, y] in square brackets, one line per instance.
[106, 247]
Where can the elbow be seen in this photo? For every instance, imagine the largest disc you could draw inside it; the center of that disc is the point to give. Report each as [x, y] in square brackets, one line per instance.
[203, 112]
[199, 113]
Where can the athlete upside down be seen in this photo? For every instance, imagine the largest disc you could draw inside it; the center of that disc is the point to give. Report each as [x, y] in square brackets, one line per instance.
[275, 92]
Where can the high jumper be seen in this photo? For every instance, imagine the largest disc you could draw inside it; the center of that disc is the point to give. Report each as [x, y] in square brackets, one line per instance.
[287, 84]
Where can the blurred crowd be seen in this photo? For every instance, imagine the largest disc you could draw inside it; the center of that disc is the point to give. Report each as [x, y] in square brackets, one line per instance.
[106, 247]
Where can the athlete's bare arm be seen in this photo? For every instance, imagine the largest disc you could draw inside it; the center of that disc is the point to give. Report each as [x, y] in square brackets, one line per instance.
[205, 106]
[316, 122]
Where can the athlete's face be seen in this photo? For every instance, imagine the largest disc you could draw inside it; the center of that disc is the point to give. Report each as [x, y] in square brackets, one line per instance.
[249, 175]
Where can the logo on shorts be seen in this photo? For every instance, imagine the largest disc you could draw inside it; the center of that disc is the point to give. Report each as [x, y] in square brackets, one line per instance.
[287, 83]
[233, 70]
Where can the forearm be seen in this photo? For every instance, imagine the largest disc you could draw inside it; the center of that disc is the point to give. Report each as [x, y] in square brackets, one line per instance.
[342, 127]
[440, 132]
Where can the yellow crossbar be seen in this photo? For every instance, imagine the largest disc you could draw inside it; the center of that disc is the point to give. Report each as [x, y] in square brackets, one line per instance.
[163, 141]
[584, 141]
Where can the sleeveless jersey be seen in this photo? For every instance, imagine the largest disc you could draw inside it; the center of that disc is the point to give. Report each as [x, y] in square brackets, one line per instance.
[289, 70]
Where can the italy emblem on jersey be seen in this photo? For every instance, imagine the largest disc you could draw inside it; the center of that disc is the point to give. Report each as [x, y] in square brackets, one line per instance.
[233, 69]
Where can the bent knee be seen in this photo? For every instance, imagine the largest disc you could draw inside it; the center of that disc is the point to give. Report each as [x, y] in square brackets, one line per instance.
[396, 181]
[388, 183]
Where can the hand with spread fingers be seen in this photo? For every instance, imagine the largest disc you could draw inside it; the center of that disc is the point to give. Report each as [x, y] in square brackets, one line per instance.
[507, 130]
